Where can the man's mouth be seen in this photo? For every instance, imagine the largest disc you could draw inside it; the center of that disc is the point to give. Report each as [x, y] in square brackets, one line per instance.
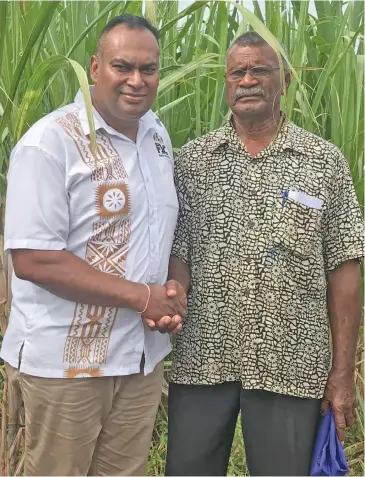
[248, 96]
[133, 97]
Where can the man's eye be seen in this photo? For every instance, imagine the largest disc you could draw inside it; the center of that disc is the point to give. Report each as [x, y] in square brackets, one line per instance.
[237, 75]
[261, 70]
[149, 71]
[121, 68]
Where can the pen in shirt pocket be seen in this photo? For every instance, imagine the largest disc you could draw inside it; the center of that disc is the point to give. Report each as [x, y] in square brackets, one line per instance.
[283, 200]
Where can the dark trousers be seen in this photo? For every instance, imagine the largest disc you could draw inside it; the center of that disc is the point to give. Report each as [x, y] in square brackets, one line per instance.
[278, 431]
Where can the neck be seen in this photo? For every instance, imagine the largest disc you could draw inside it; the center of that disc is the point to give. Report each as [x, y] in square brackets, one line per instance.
[256, 129]
[256, 134]
[127, 127]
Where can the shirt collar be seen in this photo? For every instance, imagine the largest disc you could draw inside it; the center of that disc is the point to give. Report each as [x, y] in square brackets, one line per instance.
[227, 135]
[99, 121]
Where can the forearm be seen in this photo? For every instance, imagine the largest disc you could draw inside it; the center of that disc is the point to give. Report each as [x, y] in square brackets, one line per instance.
[71, 278]
[179, 271]
[344, 306]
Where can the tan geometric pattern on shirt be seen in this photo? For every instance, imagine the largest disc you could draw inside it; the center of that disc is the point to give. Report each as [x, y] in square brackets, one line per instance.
[257, 305]
[106, 165]
[87, 343]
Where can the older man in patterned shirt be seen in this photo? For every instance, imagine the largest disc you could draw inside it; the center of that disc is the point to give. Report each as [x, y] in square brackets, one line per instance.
[268, 242]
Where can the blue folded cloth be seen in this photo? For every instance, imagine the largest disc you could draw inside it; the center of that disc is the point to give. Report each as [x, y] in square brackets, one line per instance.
[328, 454]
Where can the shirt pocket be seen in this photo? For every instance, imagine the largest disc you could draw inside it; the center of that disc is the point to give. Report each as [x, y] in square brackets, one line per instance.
[297, 236]
[298, 229]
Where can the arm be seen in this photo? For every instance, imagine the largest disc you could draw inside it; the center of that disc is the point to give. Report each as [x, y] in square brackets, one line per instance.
[344, 306]
[179, 271]
[36, 233]
[71, 278]
[343, 246]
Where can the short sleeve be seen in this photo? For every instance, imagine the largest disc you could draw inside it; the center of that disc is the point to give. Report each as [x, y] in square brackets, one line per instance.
[37, 215]
[343, 221]
[182, 243]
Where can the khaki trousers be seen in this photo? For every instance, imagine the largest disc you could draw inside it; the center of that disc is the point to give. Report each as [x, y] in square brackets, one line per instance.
[88, 426]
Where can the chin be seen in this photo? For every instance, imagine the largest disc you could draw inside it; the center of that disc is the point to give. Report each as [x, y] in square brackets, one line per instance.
[248, 109]
[133, 111]
[130, 113]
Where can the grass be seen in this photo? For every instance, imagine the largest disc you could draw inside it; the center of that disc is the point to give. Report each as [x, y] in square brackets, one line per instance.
[45, 47]
[325, 50]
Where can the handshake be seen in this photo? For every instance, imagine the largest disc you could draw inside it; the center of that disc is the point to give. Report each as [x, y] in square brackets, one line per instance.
[166, 307]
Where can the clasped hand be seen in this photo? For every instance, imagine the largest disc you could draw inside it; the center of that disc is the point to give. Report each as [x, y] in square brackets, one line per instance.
[166, 308]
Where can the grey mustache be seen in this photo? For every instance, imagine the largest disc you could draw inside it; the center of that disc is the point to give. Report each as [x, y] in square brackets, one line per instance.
[244, 92]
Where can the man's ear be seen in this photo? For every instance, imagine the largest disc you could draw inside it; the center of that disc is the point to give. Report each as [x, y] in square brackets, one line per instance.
[94, 68]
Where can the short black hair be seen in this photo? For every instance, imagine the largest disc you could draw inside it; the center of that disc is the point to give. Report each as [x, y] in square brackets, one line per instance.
[130, 21]
[252, 38]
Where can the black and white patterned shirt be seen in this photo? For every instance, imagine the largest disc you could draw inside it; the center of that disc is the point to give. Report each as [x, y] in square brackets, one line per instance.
[260, 235]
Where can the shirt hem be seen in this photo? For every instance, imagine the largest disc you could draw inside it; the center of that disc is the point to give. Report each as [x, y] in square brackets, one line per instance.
[308, 394]
[104, 371]
[9, 359]
[159, 357]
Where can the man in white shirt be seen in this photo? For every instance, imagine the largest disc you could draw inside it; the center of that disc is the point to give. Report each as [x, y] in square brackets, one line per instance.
[90, 236]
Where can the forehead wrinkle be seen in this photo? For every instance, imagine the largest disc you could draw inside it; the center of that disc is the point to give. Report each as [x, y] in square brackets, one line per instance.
[132, 58]
[240, 58]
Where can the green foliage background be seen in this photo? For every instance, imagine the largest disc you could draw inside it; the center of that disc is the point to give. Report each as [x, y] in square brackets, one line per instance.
[43, 45]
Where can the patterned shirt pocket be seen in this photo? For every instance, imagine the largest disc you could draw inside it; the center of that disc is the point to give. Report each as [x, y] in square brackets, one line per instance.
[299, 229]
[298, 234]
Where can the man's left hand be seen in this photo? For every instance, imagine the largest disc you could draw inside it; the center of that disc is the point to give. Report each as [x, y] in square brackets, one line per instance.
[340, 395]
[166, 324]
[169, 324]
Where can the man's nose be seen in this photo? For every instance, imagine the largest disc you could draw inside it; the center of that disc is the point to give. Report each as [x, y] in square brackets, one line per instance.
[135, 79]
[248, 80]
